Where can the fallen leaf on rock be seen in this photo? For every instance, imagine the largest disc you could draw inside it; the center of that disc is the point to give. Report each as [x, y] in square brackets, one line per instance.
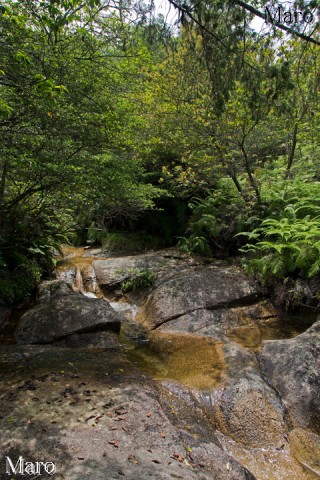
[162, 435]
[178, 456]
[132, 459]
[115, 444]
[120, 418]
[149, 414]
[121, 411]
[89, 418]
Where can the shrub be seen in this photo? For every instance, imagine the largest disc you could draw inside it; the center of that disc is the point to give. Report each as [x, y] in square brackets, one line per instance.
[138, 280]
[195, 244]
[289, 246]
[286, 240]
[18, 284]
[130, 242]
[214, 221]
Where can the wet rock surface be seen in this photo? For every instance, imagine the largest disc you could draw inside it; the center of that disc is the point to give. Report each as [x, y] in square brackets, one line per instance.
[201, 288]
[96, 416]
[306, 447]
[215, 401]
[248, 410]
[293, 368]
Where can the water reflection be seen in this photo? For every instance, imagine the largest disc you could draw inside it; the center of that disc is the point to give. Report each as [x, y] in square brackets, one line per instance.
[197, 362]
[278, 328]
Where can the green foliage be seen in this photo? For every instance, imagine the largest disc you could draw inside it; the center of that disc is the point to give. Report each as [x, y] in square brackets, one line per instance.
[67, 76]
[288, 244]
[214, 221]
[138, 280]
[195, 244]
[18, 283]
[100, 124]
[129, 242]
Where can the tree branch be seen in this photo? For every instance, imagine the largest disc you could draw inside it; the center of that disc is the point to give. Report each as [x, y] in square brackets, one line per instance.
[257, 13]
[249, 8]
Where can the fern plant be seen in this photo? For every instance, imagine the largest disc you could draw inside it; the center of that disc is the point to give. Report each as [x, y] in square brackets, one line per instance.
[288, 246]
[214, 220]
[139, 279]
[194, 244]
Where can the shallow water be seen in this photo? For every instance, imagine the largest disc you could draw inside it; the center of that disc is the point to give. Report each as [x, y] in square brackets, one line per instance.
[195, 362]
[278, 328]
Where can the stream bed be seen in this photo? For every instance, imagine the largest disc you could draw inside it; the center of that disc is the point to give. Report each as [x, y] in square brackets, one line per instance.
[193, 365]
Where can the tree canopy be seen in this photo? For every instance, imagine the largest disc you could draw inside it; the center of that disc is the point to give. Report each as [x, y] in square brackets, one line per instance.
[110, 122]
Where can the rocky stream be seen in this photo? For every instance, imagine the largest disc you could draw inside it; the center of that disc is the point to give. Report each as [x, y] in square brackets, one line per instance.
[196, 377]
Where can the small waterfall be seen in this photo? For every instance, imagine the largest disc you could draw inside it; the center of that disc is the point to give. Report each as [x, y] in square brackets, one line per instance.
[78, 285]
[80, 276]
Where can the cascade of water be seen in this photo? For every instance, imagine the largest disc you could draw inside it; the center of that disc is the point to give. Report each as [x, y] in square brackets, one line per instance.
[78, 285]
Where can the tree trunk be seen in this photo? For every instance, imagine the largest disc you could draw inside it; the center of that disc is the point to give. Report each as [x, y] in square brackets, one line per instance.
[252, 180]
[237, 184]
[292, 149]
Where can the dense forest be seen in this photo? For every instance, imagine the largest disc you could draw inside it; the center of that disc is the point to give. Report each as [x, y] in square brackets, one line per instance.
[123, 130]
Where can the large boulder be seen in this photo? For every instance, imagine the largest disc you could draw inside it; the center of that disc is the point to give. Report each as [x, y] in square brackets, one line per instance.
[215, 323]
[293, 368]
[97, 417]
[113, 271]
[247, 409]
[201, 288]
[69, 318]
